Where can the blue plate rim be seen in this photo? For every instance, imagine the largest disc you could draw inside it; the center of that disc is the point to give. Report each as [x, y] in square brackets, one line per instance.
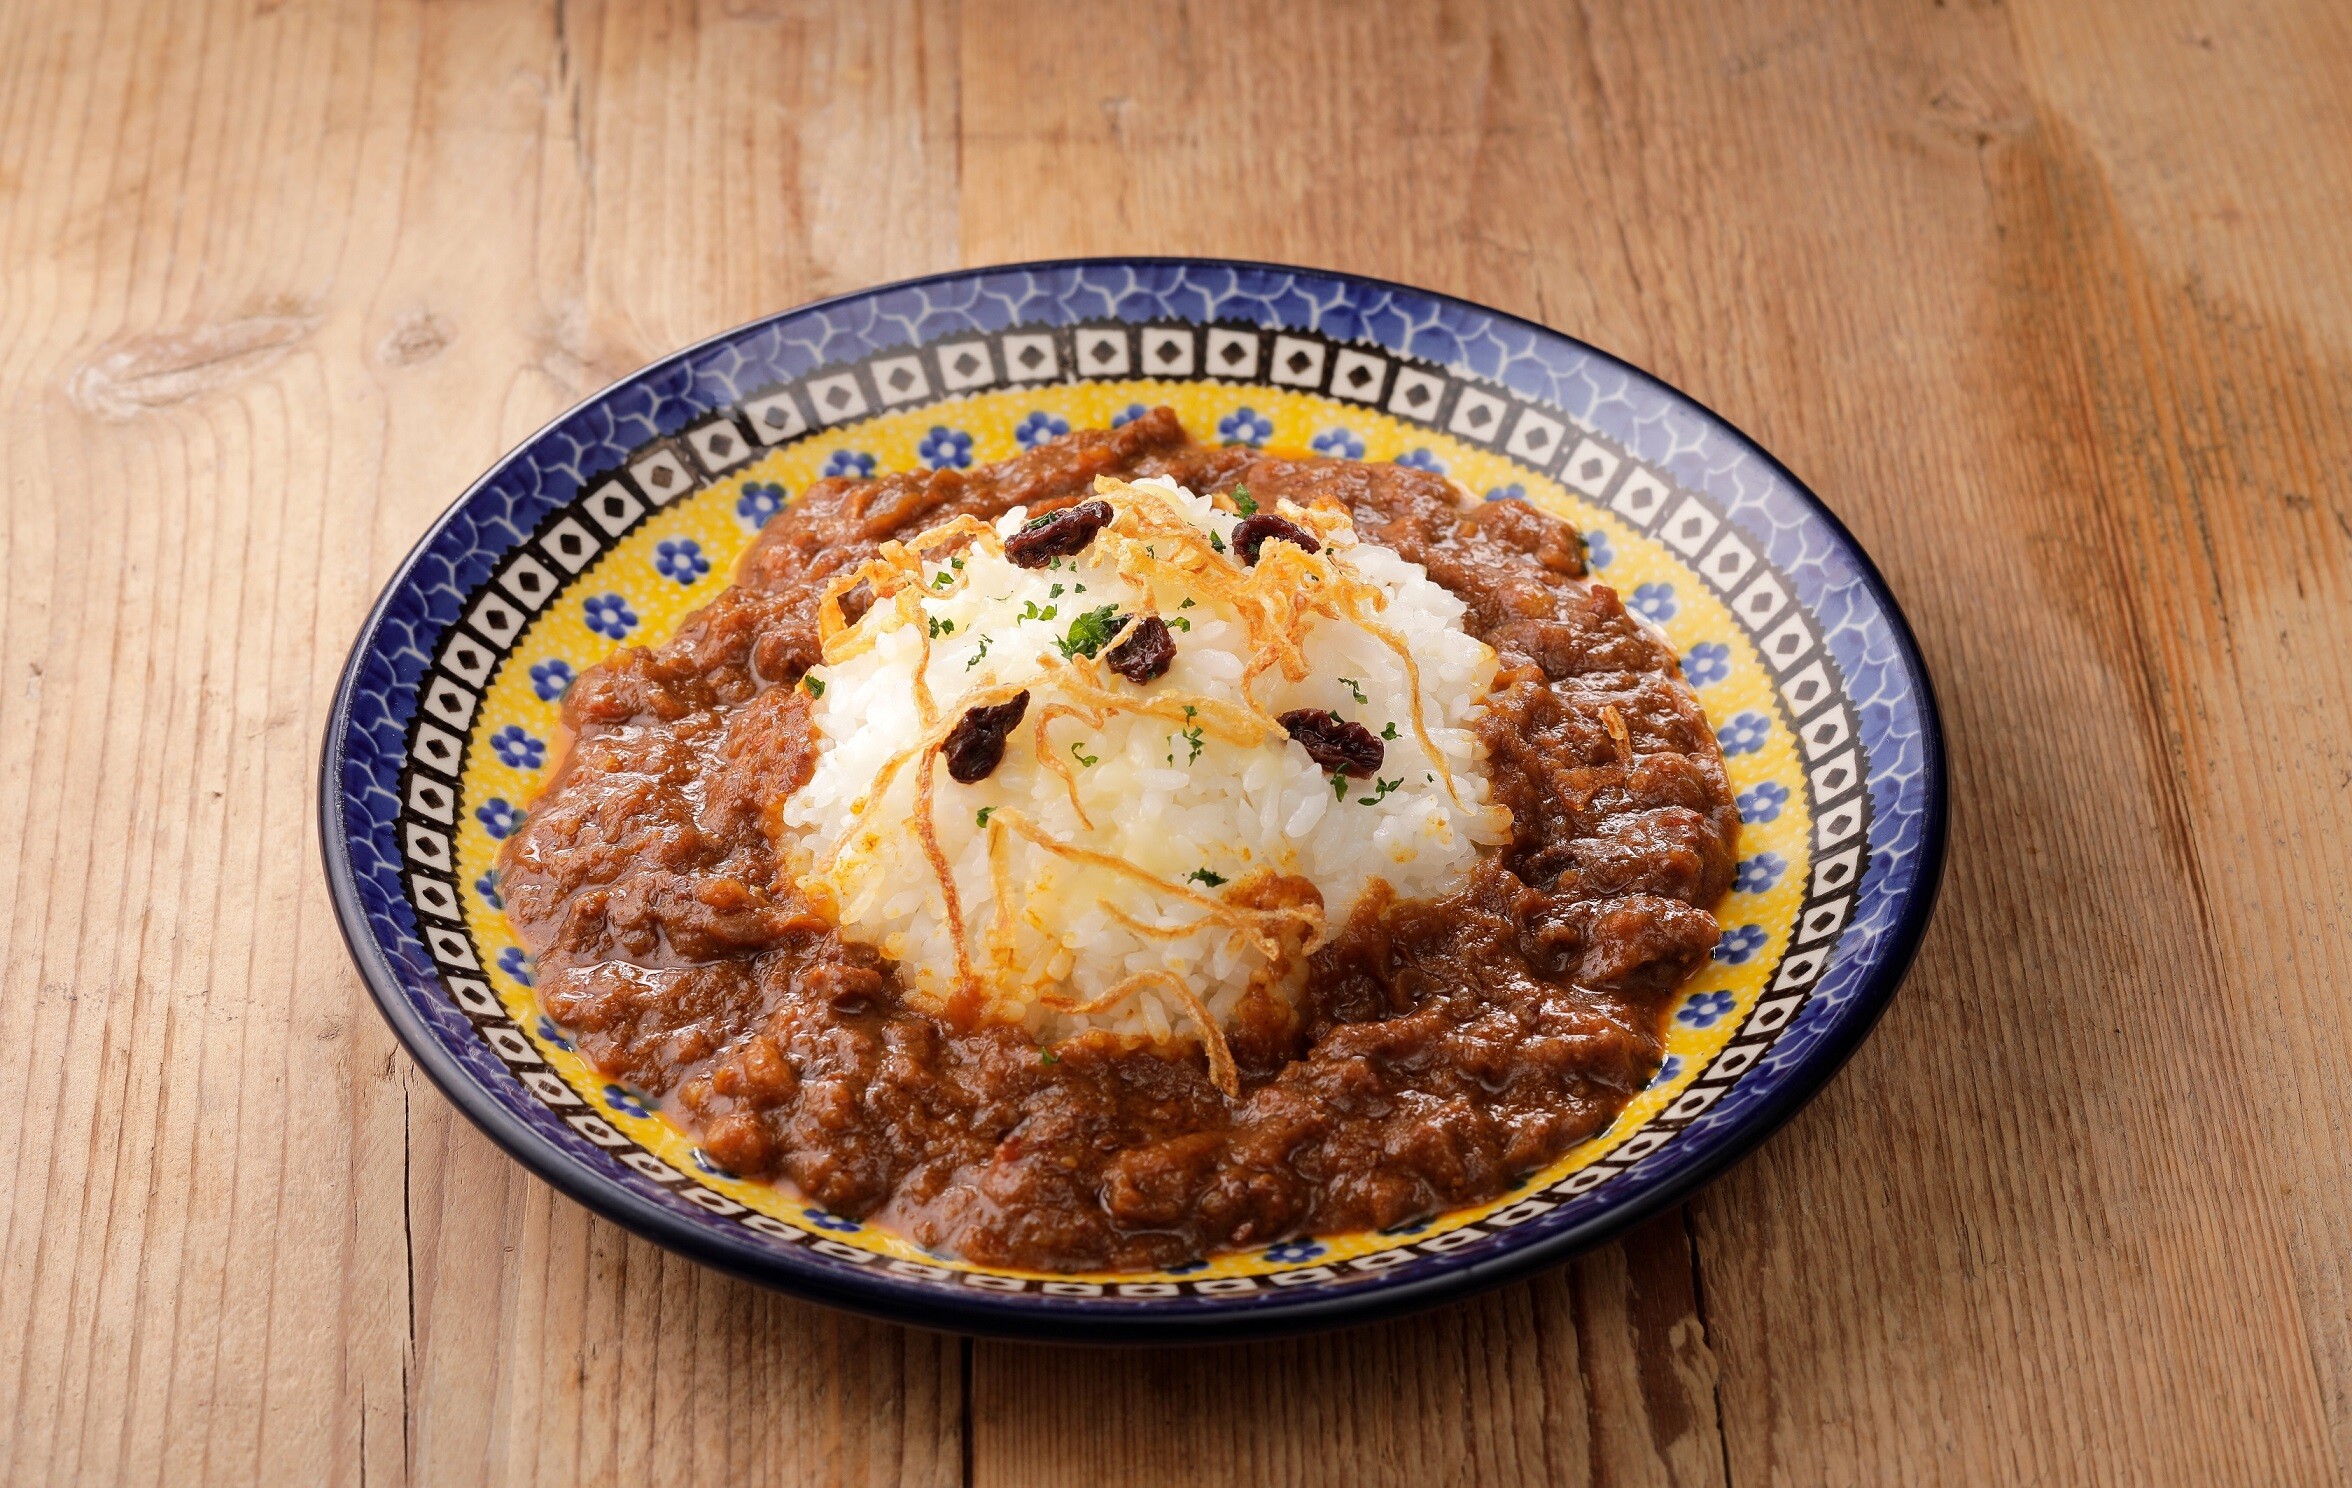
[1031, 1317]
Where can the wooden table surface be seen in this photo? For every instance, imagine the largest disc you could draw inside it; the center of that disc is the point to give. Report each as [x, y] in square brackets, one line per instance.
[2051, 300]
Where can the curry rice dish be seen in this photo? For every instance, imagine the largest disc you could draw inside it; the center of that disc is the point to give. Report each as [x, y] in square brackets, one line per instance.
[1134, 850]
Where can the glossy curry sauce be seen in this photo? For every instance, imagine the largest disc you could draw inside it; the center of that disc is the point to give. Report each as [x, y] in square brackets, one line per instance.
[1440, 1052]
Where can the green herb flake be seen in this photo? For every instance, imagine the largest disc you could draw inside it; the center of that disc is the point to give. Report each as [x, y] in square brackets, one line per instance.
[814, 684]
[1204, 877]
[1054, 593]
[1081, 756]
[956, 563]
[1355, 687]
[1187, 603]
[941, 627]
[1387, 730]
[1339, 787]
[1193, 735]
[1244, 502]
[1080, 589]
[1380, 793]
[942, 579]
[1090, 632]
[1215, 541]
[980, 819]
[983, 651]
[1048, 1056]
[1179, 622]
[1036, 522]
[1030, 611]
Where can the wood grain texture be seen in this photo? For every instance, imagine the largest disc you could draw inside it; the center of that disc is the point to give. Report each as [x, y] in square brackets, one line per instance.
[2047, 297]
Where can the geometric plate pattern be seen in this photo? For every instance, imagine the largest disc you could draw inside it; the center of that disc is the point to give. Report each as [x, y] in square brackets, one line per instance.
[1829, 729]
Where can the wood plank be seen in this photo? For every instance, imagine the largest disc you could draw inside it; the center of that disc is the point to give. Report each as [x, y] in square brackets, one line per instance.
[2073, 1243]
[2045, 298]
[275, 283]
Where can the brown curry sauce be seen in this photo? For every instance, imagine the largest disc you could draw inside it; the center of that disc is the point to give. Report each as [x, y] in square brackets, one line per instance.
[1440, 1050]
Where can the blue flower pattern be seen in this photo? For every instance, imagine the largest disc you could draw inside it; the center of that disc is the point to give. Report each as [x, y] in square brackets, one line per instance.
[1739, 947]
[1128, 415]
[1419, 458]
[487, 887]
[1745, 734]
[839, 1224]
[760, 500]
[498, 818]
[1709, 662]
[855, 464]
[1668, 1071]
[1038, 427]
[517, 750]
[552, 679]
[1757, 874]
[515, 964]
[945, 448]
[1704, 1009]
[1291, 1252]
[682, 560]
[609, 615]
[628, 1102]
[1762, 803]
[1341, 443]
[1245, 426]
[552, 1035]
[1512, 492]
[1598, 551]
[1655, 603]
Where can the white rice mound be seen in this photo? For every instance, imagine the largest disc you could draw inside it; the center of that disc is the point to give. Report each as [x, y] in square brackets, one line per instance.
[1121, 882]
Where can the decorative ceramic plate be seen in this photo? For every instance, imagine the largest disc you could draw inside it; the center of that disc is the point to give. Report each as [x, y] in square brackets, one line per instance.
[628, 512]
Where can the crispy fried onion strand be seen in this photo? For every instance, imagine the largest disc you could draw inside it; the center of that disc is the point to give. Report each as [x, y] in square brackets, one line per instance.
[1221, 1067]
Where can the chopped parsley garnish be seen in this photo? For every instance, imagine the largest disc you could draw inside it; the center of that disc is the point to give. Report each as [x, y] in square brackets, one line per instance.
[1357, 688]
[814, 684]
[1030, 611]
[1054, 593]
[981, 818]
[1380, 793]
[1205, 877]
[1244, 502]
[1078, 589]
[983, 651]
[941, 627]
[1187, 603]
[1215, 541]
[942, 579]
[1339, 787]
[1387, 730]
[1089, 632]
[1193, 735]
[1048, 1056]
[1178, 622]
[956, 563]
[1036, 522]
[1081, 757]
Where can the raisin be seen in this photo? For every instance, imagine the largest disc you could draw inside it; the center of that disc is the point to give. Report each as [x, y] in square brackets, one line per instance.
[1334, 743]
[1145, 653]
[1252, 533]
[975, 746]
[1057, 534]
